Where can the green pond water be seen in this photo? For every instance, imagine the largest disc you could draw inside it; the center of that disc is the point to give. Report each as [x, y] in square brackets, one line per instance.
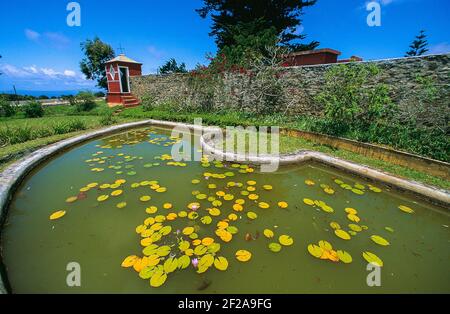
[99, 236]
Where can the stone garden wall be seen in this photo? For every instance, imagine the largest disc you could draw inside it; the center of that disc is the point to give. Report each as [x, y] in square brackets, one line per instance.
[400, 74]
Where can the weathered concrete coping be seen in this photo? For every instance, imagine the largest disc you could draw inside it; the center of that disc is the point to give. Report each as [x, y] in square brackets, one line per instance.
[12, 176]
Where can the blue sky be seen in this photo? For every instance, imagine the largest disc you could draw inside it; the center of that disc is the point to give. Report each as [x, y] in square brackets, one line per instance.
[40, 52]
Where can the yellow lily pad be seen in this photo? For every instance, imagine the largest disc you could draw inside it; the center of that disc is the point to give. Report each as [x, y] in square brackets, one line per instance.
[379, 240]
[121, 205]
[158, 279]
[206, 220]
[102, 198]
[372, 258]
[308, 201]
[221, 263]
[188, 230]
[170, 265]
[325, 245]
[145, 198]
[71, 199]
[116, 193]
[282, 204]
[184, 262]
[129, 261]
[342, 234]
[243, 255]
[344, 256]
[275, 247]
[252, 215]
[406, 209]
[268, 233]
[315, 250]
[57, 215]
[286, 240]
[263, 205]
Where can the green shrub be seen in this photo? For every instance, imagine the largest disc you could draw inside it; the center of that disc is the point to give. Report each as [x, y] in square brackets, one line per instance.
[350, 101]
[33, 109]
[108, 119]
[148, 102]
[6, 109]
[84, 101]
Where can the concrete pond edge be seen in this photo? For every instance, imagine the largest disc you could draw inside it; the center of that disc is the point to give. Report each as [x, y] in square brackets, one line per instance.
[12, 176]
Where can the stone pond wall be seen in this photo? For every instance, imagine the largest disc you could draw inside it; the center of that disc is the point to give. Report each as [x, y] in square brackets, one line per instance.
[400, 74]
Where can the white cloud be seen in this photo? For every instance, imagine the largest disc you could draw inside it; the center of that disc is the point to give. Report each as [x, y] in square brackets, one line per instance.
[32, 68]
[443, 47]
[32, 35]
[39, 76]
[69, 73]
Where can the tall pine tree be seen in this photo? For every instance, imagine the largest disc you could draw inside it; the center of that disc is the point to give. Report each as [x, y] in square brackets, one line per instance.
[266, 20]
[418, 46]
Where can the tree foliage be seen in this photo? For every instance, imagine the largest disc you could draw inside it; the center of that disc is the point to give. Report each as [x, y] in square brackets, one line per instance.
[419, 46]
[97, 53]
[243, 26]
[171, 66]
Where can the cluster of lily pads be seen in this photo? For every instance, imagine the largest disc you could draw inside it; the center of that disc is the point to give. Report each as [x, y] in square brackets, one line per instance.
[220, 202]
[325, 250]
[166, 250]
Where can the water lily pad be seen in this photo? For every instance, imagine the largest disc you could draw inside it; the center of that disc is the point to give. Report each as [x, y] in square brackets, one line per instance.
[342, 234]
[252, 215]
[183, 262]
[334, 225]
[163, 250]
[221, 263]
[167, 205]
[308, 201]
[71, 199]
[129, 261]
[354, 227]
[344, 256]
[282, 204]
[406, 209]
[309, 182]
[285, 240]
[325, 245]
[263, 205]
[147, 272]
[372, 258]
[145, 198]
[58, 214]
[200, 250]
[102, 198]
[315, 250]
[275, 247]
[206, 220]
[268, 233]
[238, 207]
[121, 205]
[188, 230]
[267, 187]
[116, 193]
[165, 230]
[379, 240]
[232, 229]
[243, 255]
[170, 265]
[158, 279]
[389, 229]
[151, 210]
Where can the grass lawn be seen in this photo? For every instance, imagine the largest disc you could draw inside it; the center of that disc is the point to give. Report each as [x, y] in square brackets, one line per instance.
[19, 135]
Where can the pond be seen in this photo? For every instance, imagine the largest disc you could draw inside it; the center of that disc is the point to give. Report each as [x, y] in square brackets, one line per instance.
[135, 221]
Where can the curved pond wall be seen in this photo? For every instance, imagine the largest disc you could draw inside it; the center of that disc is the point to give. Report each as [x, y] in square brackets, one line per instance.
[13, 175]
